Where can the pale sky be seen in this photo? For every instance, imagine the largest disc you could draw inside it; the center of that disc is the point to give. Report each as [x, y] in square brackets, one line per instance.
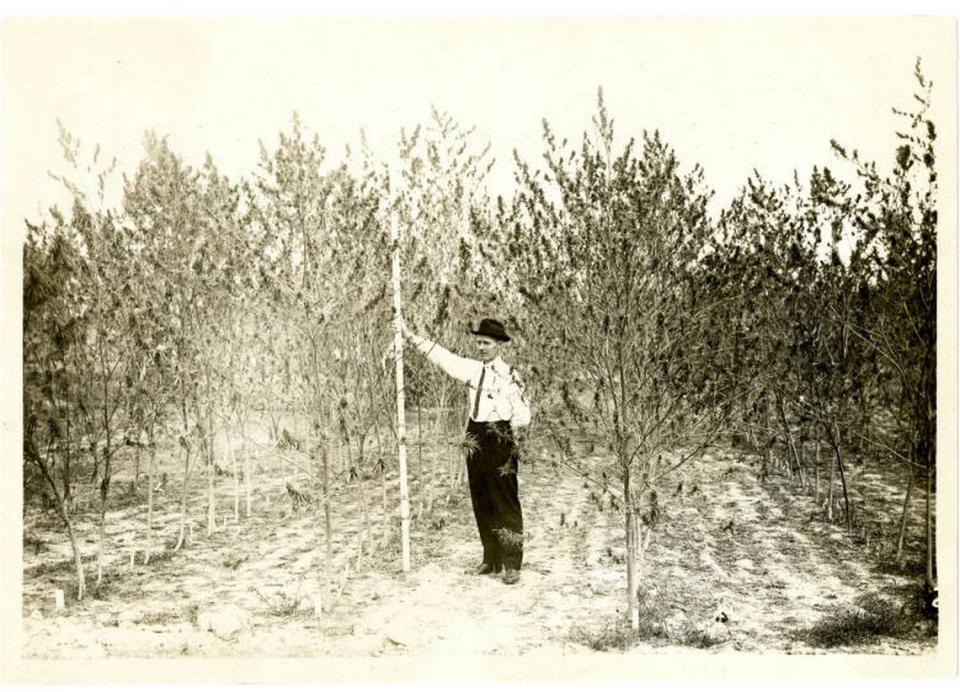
[731, 94]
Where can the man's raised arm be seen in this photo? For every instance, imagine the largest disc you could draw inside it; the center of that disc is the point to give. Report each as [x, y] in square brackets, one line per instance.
[457, 367]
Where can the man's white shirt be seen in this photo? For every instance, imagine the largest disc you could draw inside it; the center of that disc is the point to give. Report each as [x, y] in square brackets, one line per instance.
[502, 395]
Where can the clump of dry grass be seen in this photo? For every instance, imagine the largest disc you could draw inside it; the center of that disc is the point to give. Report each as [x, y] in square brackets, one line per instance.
[161, 617]
[871, 618]
[699, 639]
[54, 568]
[609, 635]
[616, 634]
[281, 604]
[659, 623]
[234, 561]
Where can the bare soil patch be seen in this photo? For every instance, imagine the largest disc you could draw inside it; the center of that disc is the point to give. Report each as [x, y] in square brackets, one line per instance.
[736, 565]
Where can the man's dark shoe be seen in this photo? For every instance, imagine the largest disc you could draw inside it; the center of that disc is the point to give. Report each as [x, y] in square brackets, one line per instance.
[484, 568]
[511, 576]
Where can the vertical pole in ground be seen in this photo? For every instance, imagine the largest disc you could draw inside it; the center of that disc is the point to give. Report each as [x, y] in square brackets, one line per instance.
[903, 515]
[398, 362]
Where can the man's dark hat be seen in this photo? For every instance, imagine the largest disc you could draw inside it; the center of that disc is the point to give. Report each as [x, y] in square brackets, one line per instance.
[493, 329]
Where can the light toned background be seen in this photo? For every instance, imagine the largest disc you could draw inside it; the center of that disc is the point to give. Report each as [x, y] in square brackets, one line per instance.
[731, 94]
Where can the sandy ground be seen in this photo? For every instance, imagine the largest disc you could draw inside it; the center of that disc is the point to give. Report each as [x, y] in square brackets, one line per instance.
[757, 556]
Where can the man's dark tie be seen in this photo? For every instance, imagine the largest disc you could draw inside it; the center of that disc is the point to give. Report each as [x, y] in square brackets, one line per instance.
[476, 403]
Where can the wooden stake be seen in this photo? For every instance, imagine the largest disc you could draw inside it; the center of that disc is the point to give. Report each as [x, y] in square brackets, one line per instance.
[398, 355]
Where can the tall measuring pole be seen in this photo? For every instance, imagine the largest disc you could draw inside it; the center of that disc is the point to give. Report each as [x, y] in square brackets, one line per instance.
[398, 363]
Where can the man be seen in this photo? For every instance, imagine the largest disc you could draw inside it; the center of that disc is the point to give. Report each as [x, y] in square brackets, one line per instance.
[498, 407]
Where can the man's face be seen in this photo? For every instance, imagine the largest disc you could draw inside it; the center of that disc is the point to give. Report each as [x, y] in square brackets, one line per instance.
[487, 348]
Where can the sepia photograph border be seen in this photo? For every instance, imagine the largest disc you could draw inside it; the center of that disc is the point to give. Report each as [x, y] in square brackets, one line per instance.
[529, 668]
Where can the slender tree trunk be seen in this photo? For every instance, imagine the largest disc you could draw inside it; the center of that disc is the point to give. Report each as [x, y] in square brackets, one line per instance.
[327, 518]
[843, 483]
[274, 424]
[643, 542]
[104, 492]
[426, 479]
[420, 439]
[247, 468]
[77, 560]
[211, 467]
[102, 533]
[350, 463]
[183, 499]
[928, 511]
[151, 476]
[211, 505]
[324, 525]
[901, 534]
[752, 438]
[631, 527]
[816, 459]
[438, 431]
[283, 464]
[74, 545]
[802, 457]
[833, 474]
[460, 479]
[791, 446]
[365, 532]
[361, 463]
[928, 419]
[834, 434]
[380, 458]
[62, 508]
[67, 474]
[768, 448]
[630, 521]
[236, 479]
[384, 506]
[107, 472]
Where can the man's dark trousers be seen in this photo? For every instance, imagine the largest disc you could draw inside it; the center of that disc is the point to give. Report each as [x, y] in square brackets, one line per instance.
[492, 471]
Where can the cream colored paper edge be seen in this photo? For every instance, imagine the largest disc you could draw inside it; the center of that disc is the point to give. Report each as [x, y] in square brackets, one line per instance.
[529, 668]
